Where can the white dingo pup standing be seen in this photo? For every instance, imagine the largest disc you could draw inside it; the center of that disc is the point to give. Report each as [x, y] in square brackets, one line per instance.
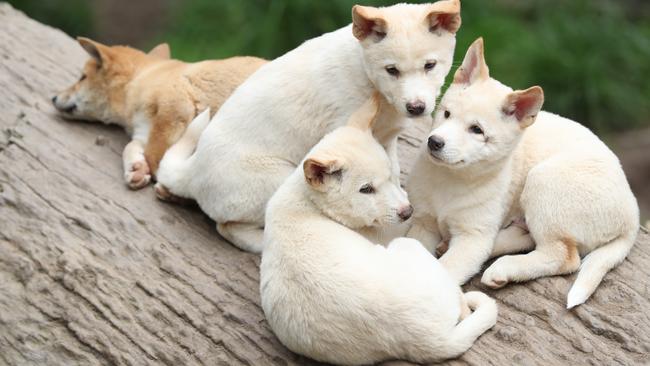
[493, 158]
[267, 126]
[332, 295]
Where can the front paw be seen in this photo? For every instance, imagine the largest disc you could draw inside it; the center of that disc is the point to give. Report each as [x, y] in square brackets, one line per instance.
[138, 175]
[496, 276]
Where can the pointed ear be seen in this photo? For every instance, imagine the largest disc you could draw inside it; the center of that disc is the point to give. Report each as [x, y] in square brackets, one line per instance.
[319, 170]
[368, 22]
[524, 105]
[162, 51]
[474, 67]
[96, 50]
[364, 117]
[444, 15]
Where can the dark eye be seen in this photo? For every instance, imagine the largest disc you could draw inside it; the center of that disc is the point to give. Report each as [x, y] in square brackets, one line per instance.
[476, 129]
[429, 65]
[447, 114]
[83, 77]
[392, 70]
[367, 189]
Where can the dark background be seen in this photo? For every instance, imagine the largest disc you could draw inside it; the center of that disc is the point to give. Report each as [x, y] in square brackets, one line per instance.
[592, 57]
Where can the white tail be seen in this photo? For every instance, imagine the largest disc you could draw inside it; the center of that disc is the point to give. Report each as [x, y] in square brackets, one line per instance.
[596, 265]
[174, 165]
[483, 317]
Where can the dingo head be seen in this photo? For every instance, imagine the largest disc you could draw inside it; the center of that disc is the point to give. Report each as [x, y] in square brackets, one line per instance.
[480, 120]
[99, 95]
[349, 175]
[408, 51]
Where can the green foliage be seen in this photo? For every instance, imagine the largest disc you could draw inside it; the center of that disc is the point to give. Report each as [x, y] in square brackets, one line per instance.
[592, 57]
[265, 28]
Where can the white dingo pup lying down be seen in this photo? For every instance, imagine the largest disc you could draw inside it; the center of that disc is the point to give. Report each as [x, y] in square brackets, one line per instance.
[332, 295]
[267, 126]
[493, 159]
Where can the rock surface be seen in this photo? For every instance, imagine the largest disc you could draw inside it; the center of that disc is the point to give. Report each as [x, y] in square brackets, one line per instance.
[93, 273]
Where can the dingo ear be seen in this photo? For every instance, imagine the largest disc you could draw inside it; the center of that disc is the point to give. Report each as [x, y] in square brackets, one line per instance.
[368, 21]
[319, 170]
[444, 15]
[364, 117]
[524, 105]
[474, 67]
[162, 50]
[95, 49]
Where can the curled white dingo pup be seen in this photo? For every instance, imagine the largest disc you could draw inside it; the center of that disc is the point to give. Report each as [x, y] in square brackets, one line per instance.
[496, 168]
[153, 97]
[332, 295]
[268, 125]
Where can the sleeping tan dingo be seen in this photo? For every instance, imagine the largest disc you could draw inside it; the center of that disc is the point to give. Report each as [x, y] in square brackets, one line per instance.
[150, 95]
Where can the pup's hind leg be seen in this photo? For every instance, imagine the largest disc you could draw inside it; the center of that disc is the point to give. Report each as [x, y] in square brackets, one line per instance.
[513, 239]
[136, 170]
[248, 237]
[237, 201]
[551, 257]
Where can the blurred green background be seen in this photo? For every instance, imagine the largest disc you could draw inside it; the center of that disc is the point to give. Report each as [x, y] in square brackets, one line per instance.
[592, 57]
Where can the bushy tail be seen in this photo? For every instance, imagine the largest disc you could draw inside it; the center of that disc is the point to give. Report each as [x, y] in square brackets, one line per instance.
[596, 265]
[174, 166]
[483, 317]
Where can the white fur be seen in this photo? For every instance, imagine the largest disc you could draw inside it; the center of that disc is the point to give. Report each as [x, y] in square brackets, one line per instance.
[332, 295]
[184, 147]
[133, 153]
[556, 174]
[265, 128]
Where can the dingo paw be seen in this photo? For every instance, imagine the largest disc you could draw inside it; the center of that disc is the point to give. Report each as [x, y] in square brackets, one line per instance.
[495, 276]
[138, 175]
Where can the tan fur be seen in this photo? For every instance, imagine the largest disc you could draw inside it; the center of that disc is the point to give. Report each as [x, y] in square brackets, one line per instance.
[571, 255]
[465, 311]
[125, 86]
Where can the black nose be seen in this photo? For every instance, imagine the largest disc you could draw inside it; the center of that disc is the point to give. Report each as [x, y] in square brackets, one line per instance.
[405, 212]
[54, 99]
[435, 143]
[416, 108]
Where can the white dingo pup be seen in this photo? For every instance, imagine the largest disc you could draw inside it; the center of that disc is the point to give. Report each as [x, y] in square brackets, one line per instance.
[267, 126]
[494, 159]
[332, 295]
[152, 96]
